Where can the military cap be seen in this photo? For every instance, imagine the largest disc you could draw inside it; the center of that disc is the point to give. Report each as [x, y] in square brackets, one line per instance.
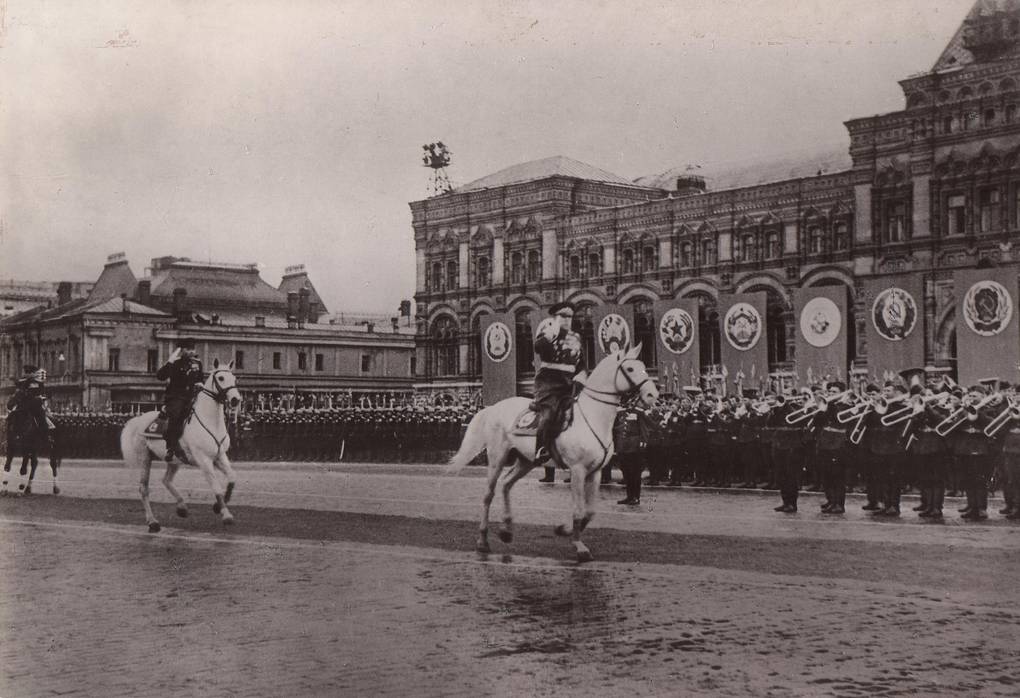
[560, 307]
[836, 385]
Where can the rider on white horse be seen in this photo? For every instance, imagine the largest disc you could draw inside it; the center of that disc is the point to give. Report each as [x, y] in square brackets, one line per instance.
[559, 352]
[183, 370]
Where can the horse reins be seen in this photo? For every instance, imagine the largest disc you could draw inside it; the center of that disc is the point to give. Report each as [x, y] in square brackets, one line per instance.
[219, 397]
[634, 387]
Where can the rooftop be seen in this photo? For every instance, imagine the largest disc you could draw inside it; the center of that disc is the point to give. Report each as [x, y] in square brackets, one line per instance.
[557, 166]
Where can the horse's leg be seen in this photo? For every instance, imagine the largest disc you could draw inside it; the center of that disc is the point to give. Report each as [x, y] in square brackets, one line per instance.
[31, 473]
[25, 460]
[143, 489]
[168, 483]
[228, 470]
[7, 468]
[54, 465]
[205, 464]
[521, 468]
[496, 463]
[579, 483]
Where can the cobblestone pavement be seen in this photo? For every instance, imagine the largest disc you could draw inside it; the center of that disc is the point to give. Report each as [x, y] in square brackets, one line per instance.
[309, 595]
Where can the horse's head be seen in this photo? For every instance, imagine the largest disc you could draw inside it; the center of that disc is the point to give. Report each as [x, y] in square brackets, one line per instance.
[623, 373]
[222, 384]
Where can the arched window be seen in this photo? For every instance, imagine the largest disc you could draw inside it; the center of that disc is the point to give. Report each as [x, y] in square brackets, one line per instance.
[686, 254]
[534, 265]
[840, 237]
[574, 267]
[708, 252]
[451, 275]
[815, 239]
[482, 279]
[437, 276]
[525, 341]
[1010, 113]
[895, 221]
[627, 263]
[747, 251]
[772, 250]
[583, 325]
[649, 258]
[644, 330]
[444, 344]
[594, 265]
[517, 268]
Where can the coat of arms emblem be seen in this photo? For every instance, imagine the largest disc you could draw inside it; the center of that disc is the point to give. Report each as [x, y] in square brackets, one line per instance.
[987, 308]
[820, 321]
[676, 330]
[742, 326]
[497, 342]
[894, 314]
[613, 333]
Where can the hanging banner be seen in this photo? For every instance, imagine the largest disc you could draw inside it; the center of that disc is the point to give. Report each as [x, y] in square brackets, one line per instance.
[676, 344]
[987, 335]
[614, 328]
[820, 318]
[499, 357]
[743, 346]
[894, 308]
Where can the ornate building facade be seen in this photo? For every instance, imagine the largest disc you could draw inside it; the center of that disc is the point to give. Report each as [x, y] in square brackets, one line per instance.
[927, 189]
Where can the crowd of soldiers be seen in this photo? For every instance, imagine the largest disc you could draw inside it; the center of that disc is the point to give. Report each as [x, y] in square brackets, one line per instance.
[937, 438]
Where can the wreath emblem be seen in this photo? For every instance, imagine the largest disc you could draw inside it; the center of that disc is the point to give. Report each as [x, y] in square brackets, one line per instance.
[742, 326]
[613, 333]
[820, 321]
[987, 308]
[894, 314]
[497, 342]
[676, 330]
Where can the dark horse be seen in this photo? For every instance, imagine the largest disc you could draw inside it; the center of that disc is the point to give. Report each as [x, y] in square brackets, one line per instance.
[28, 438]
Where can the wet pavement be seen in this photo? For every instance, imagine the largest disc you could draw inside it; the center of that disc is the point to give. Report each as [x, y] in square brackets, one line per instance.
[362, 581]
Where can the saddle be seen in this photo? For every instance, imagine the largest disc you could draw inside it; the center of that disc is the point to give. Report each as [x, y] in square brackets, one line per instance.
[526, 423]
[156, 428]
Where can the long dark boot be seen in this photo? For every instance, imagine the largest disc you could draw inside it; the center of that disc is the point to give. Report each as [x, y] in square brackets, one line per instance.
[972, 506]
[925, 501]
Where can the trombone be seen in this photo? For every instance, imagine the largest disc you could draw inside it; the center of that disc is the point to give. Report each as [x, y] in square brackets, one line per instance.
[1012, 412]
[858, 409]
[909, 410]
[857, 433]
[960, 415]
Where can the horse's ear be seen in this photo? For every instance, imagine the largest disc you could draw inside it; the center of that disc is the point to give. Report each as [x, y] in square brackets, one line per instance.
[230, 366]
[216, 363]
[635, 352]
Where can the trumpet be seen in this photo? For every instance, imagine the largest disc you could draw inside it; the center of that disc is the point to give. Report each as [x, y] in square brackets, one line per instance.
[1012, 412]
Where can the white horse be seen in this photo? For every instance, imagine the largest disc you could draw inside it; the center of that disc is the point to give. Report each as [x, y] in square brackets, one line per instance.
[584, 447]
[204, 442]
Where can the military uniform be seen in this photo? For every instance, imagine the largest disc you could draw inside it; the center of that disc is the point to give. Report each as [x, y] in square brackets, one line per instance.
[631, 430]
[559, 352]
[183, 374]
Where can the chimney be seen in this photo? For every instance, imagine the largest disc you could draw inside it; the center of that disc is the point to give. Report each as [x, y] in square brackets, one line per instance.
[395, 323]
[292, 309]
[63, 292]
[144, 291]
[180, 302]
[370, 327]
[313, 312]
[304, 296]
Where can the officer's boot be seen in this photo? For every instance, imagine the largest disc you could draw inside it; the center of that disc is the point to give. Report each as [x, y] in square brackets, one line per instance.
[938, 497]
[550, 474]
[925, 504]
[982, 503]
[970, 510]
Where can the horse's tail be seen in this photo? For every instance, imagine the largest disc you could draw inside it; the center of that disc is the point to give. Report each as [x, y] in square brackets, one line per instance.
[472, 445]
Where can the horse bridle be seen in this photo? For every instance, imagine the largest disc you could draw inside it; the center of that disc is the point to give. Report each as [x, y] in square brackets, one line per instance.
[220, 396]
[634, 387]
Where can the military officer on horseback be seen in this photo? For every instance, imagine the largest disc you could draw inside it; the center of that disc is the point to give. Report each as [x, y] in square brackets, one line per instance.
[183, 370]
[30, 396]
[559, 352]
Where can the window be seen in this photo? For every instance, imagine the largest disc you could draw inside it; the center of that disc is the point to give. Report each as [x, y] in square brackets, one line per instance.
[451, 275]
[444, 342]
[260, 321]
[483, 272]
[627, 263]
[708, 250]
[366, 363]
[648, 258]
[747, 248]
[517, 268]
[437, 276]
[594, 265]
[152, 360]
[302, 361]
[686, 254]
[277, 363]
[814, 240]
[840, 237]
[771, 244]
[970, 120]
[238, 360]
[113, 360]
[1010, 113]
[957, 219]
[988, 213]
[525, 341]
[988, 117]
[534, 265]
[413, 368]
[947, 124]
[574, 267]
[319, 362]
[895, 221]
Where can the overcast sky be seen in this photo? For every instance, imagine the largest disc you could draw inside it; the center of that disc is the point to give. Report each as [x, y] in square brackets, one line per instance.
[290, 131]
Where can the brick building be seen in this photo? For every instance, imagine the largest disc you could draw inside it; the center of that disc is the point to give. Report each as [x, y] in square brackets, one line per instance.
[102, 350]
[929, 188]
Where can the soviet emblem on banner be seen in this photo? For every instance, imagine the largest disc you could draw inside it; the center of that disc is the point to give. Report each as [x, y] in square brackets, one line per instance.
[820, 321]
[676, 330]
[894, 314]
[497, 342]
[987, 308]
[613, 333]
[742, 326]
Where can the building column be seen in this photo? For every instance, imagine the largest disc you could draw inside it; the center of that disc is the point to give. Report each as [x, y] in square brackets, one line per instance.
[922, 206]
[550, 255]
[665, 253]
[462, 265]
[862, 214]
[421, 268]
[608, 259]
[497, 262]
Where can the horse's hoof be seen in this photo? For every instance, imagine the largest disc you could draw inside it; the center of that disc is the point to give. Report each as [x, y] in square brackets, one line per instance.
[483, 547]
[28, 489]
[182, 512]
[584, 556]
[562, 530]
[228, 522]
[217, 507]
[154, 527]
[506, 536]
[56, 490]
[230, 491]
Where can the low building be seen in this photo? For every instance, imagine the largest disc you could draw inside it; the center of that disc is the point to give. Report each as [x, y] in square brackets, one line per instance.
[102, 351]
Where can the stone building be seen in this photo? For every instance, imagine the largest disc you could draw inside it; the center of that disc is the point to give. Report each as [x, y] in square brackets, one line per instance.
[926, 189]
[102, 350]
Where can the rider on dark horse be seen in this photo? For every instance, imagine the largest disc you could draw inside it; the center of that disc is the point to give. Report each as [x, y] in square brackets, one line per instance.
[183, 370]
[559, 353]
[28, 423]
